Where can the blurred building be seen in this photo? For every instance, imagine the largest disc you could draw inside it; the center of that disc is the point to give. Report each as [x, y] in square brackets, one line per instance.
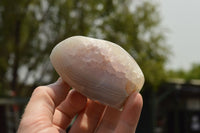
[178, 107]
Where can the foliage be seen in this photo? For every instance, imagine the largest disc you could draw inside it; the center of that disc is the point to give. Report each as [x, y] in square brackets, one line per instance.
[30, 29]
[192, 73]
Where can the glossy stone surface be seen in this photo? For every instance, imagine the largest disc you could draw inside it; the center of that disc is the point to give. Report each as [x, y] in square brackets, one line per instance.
[99, 69]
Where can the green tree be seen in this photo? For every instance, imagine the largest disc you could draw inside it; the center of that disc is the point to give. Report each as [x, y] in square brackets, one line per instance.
[30, 29]
[192, 73]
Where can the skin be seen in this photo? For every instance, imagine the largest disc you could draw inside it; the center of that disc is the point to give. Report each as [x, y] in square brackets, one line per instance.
[51, 109]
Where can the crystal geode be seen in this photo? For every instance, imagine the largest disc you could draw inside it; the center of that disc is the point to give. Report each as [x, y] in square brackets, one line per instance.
[98, 69]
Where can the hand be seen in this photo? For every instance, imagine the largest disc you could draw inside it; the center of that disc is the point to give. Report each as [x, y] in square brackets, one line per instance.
[51, 109]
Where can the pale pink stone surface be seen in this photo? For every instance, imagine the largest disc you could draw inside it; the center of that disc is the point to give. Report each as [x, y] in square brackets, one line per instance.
[99, 69]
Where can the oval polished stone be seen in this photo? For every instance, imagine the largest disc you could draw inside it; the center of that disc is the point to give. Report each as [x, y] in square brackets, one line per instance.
[98, 69]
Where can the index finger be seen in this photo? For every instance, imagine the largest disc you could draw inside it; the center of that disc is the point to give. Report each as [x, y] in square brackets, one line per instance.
[44, 100]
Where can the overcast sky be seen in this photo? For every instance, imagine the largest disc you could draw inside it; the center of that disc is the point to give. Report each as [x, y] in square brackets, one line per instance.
[182, 18]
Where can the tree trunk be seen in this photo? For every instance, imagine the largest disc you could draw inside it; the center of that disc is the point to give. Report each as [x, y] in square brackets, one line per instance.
[16, 56]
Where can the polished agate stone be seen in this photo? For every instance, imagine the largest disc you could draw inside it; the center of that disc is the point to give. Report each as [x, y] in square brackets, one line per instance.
[101, 70]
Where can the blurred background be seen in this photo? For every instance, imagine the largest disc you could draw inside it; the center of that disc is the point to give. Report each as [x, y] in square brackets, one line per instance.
[162, 36]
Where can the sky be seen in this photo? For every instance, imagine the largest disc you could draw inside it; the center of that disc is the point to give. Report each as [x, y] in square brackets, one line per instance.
[182, 19]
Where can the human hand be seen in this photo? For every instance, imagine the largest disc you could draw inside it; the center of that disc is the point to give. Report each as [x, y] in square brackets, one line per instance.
[51, 109]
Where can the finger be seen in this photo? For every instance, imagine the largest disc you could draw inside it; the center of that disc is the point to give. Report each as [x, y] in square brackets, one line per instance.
[87, 121]
[109, 122]
[130, 115]
[40, 109]
[73, 104]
